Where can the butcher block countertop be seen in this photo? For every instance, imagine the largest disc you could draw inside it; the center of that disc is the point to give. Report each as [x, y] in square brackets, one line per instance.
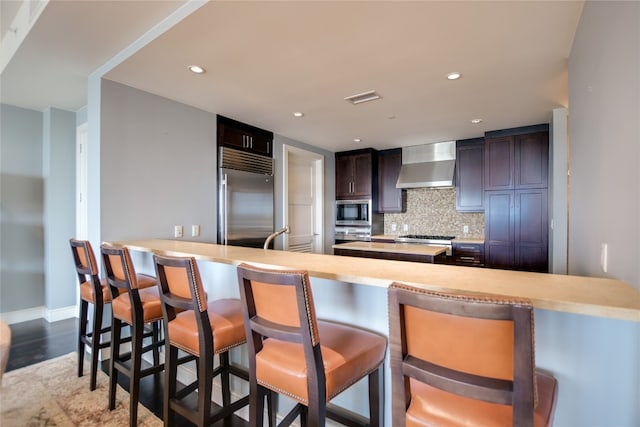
[572, 294]
[397, 248]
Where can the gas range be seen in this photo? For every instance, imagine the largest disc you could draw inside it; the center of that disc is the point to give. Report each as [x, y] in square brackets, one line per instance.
[427, 239]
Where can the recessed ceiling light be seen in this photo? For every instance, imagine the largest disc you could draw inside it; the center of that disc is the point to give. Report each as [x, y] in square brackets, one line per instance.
[196, 69]
[476, 121]
[357, 140]
[454, 76]
[298, 114]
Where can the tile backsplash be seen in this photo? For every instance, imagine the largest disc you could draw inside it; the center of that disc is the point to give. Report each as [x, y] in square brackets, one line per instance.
[433, 211]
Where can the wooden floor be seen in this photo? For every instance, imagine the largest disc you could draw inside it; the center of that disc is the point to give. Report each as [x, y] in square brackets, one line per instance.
[39, 340]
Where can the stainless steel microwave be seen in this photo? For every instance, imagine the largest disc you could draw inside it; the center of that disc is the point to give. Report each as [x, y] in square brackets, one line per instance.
[353, 212]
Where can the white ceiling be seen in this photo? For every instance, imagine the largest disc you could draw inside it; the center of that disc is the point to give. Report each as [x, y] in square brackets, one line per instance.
[267, 59]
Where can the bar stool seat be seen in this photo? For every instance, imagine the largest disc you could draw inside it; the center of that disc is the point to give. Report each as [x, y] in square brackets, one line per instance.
[348, 355]
[87, 294]
[150, 302]
[227, 325]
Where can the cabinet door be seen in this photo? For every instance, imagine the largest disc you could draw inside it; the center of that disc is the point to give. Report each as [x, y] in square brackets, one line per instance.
[470, 177]
[344, 177]
[499, 163]
[390, 198]
[532, 160]
[232, 137]
[531, 231]
[499, 229]
[362, 176]
[261, 143]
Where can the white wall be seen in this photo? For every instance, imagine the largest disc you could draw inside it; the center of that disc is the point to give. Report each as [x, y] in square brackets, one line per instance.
[604, 125]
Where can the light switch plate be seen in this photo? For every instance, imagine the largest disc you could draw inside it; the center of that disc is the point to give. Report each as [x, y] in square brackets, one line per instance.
[177, 231]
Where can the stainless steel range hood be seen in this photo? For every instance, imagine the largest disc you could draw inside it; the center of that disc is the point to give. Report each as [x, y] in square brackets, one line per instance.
[428, 165]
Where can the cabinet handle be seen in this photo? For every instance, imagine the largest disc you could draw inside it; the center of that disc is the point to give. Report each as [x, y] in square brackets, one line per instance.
[468, 247]
[250, 142]
[467, 258]
[244, 141]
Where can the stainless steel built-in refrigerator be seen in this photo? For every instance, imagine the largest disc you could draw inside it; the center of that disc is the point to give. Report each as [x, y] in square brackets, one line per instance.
[245, 198]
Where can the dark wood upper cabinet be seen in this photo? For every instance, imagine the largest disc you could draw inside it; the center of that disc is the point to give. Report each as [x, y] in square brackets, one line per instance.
[241, 136]
[470, 175]
[357, 175]
[390, 198]
[516, 161]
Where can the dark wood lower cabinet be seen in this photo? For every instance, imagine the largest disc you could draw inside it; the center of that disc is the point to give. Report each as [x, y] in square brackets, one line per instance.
[516, 231]
[438, 259]
[468, 254]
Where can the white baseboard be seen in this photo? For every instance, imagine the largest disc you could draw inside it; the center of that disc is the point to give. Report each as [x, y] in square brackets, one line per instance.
[41, 312]
[25, 315]
[61, 313]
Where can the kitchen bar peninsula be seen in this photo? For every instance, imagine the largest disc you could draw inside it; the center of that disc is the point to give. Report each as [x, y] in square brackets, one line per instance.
[587, 329]
[572, 294]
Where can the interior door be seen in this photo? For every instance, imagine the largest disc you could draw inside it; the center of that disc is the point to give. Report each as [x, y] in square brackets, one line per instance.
[304, 202]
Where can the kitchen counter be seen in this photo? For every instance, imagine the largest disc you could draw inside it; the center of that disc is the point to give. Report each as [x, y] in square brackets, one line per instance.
[570, 294]
[392, 251]
[399, 248]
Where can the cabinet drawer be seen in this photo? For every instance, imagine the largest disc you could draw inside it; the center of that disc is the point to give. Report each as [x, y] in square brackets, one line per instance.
[471, 254]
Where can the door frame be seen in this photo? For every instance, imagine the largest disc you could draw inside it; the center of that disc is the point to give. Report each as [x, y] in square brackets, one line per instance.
[318, 166]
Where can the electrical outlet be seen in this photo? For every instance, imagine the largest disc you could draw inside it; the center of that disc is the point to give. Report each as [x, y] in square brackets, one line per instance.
[177, 231]
[195, 230]
[465, 229]
[394, 226]
[405, 227]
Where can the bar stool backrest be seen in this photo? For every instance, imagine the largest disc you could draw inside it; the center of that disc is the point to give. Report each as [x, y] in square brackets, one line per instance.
[85, 262]
[479, 347]
[279, 305]
[181, 289]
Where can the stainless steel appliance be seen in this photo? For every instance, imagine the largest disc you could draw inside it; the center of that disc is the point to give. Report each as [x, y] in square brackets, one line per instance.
[427, 239]
[245, 198]
[354, 212]
[355, 220]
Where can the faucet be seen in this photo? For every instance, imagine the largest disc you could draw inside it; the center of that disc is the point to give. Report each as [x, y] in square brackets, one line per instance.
[274, 235]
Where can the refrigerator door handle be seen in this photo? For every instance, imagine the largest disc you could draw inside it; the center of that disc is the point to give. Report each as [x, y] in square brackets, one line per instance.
[225, 209]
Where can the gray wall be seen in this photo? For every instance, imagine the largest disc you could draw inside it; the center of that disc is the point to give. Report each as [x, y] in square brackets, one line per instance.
[21, 209]
[158, 166]
[59, 170]
[604, 125]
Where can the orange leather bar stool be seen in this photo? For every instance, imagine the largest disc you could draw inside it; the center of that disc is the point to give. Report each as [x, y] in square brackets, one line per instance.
[461, 360]
[135, 301]
[95, 292]
[201, 329]
[309, 360]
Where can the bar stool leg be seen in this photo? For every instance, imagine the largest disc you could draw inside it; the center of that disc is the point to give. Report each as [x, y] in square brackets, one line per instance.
[171, 373]
[205, 378]
[84, 309]
[95, 343]
[134, 377]
[376, 391]
[156, 343]
[116, 330]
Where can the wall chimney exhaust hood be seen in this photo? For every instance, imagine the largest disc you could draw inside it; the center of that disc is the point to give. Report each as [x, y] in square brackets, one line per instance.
[428, 165]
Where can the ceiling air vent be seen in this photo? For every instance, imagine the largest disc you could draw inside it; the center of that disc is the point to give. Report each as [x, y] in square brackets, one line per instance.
[363, 97]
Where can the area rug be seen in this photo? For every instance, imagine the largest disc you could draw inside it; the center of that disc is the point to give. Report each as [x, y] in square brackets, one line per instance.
[51, 394]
